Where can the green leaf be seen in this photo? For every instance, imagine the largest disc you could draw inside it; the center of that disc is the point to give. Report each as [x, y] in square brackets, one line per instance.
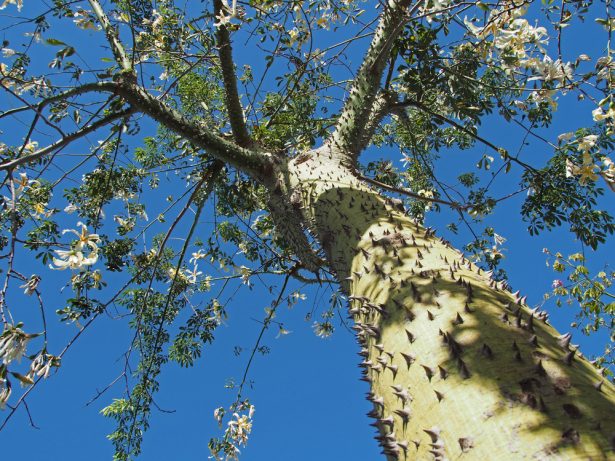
[54, 42]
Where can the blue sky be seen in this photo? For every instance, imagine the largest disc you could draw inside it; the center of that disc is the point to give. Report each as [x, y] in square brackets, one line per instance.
[309, 400]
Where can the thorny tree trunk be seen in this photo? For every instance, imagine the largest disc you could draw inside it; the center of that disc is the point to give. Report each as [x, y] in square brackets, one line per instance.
[459, 367]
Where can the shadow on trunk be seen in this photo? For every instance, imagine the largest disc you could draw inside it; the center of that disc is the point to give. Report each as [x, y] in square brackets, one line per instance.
[444, 346]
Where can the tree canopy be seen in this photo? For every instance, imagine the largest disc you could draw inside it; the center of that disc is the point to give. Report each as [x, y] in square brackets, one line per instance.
[129, 124]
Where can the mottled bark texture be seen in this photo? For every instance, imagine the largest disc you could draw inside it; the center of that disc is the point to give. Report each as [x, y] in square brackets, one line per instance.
[459, 367]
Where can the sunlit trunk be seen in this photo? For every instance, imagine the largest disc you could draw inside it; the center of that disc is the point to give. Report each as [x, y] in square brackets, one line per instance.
[459, 367]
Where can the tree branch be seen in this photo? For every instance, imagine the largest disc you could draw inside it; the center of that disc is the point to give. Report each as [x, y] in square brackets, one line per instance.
[97, 87]
[499, 150]
[112, 36]
[397, 190]
[380, 109]
[349, 134]
[233, 104]
[256, 164]
[10, 165]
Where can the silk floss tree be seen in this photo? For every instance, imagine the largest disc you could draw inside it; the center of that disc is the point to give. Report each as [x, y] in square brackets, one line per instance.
[458, 366]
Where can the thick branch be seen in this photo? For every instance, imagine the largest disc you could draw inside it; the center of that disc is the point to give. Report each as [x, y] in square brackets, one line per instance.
[112, 36]
[350, 131]
[288, 222]
[380, 109]
[256, 164]
[253, 163]
[233, 104]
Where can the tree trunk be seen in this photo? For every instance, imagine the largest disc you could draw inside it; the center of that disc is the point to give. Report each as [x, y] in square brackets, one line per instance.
[459, 367]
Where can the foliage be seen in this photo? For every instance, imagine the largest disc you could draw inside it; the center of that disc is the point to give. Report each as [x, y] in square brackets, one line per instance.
[592, 293]
[112, 220]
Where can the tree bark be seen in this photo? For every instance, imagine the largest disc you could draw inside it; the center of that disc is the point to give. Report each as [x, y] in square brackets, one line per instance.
[459, 367]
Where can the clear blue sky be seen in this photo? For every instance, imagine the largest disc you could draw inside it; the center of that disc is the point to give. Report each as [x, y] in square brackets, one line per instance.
[309, 400]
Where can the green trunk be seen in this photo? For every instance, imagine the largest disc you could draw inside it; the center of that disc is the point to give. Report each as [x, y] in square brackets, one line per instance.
[459, 367]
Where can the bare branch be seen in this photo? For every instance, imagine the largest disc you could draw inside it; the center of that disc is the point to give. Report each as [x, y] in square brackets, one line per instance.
[97, 87]
[499, 150]
[209, 180]
[397, 190]
[266, 324]
[10, 165]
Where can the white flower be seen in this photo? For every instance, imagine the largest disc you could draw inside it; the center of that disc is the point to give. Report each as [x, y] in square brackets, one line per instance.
[157, 19]
[323, 329]
[73, 259]
[427, 194]
[598, 115]
[127, 223]
[544, 95]
[193, 275]
[13, 344]
[438, 5]
[5, 392]
[85, 238]
[219, 415]
[245, 273]
[70, 208]
[571, 168]
[123, 194]
[565, 136]
[549, 70]
[17, 3]
[495, 252]
[41, 366]
[198, 255]
[24, 183]
[586, 171]
[282, 332]
[240, 427]
[293, 34]
[587, 142]
[175, 274]
[223, 19]
[31, 284]
[498, 239]
[406, 160]
[609, 174]
[517, 35]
